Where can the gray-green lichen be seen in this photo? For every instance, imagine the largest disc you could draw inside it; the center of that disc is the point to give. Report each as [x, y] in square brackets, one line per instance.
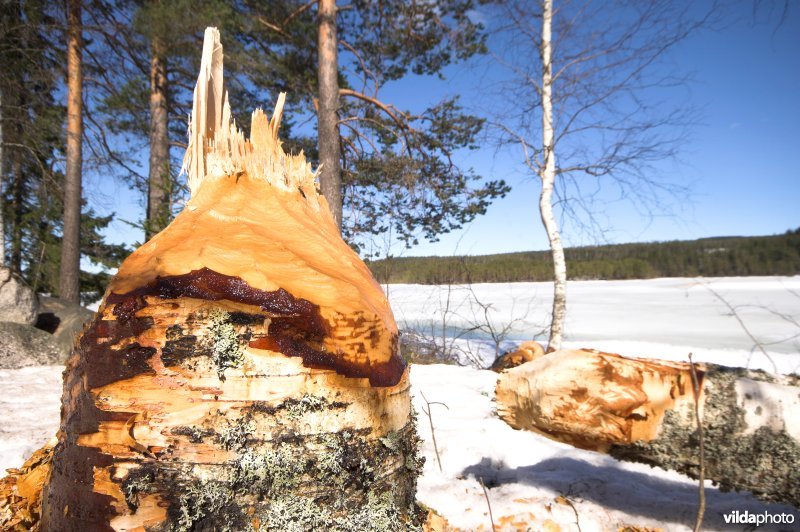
[201, 500]
[138, 481]
[300, 514]
[762, 461]
[274, 470]
[195, 433]
[226, 349]
[307, 403]
[331, 458]
[234, 436]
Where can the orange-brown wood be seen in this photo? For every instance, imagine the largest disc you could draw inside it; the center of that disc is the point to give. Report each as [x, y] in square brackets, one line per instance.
[243, 368]
[592, 399]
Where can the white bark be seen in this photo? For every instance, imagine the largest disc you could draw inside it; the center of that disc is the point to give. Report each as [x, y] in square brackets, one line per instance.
[547, 173]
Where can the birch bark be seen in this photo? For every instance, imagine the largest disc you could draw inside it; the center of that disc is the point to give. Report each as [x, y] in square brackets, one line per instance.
[547, 173]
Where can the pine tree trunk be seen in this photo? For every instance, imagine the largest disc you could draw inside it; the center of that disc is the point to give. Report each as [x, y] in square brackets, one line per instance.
[159, 184]
[548, 177]
[16, 199]
[643, 410]
[2, 188]
[69, 280]
[242, 371]
[327, 117]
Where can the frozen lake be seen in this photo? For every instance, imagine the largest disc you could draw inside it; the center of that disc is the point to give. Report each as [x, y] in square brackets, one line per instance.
[665, 318]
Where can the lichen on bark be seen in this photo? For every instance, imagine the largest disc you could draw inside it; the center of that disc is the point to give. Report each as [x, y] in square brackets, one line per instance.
[761, 460]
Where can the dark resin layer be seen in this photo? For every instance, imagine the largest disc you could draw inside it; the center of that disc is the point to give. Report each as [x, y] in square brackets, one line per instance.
[297, 328]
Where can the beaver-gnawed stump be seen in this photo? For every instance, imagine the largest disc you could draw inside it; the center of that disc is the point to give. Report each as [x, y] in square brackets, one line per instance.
[242, 372]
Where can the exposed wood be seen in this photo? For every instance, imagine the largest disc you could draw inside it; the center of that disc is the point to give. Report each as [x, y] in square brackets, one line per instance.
[21, 492]
[159, 183]
[526, 352]
[643, 410]
[327, 115]
[69, 278]
[242, 371]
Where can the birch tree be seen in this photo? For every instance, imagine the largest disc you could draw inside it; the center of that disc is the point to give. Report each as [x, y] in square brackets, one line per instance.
[275, 403]
[592, 125]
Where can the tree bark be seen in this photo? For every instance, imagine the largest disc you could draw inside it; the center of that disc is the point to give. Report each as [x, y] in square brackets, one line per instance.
[643, 410]
[2, 188]
[69, 280]
[159, 185]
[327, 117]
[16, 198]
[547, 173]
[242, 371]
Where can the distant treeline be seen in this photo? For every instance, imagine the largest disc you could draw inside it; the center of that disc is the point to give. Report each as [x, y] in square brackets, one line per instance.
[707, 257]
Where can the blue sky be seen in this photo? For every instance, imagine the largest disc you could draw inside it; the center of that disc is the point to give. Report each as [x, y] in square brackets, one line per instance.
[740, 159]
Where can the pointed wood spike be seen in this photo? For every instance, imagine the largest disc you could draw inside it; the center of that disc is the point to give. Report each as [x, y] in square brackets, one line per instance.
[217, 148]
[244, 337]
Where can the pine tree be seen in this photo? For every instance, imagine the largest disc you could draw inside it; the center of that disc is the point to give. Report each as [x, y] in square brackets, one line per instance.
[33, 152]
[397, 167]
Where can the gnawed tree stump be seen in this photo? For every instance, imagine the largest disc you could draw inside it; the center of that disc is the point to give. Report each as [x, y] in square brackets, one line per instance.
[643, 410]
[526, 352]
[242, 371]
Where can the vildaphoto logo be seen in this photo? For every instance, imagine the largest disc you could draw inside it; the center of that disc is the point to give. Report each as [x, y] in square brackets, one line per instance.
[736, 517]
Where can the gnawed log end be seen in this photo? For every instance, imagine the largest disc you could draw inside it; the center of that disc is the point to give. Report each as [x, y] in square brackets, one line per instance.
[644, 410]
[592, 399]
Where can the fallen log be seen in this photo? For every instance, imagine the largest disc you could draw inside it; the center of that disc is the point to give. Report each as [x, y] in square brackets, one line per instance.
[242, 371]
[643, 411]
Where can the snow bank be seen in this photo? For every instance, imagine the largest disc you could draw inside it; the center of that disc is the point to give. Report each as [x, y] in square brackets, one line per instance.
[532, 479]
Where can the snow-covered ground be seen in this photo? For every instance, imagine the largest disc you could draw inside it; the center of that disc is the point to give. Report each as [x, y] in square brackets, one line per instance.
[527, 476]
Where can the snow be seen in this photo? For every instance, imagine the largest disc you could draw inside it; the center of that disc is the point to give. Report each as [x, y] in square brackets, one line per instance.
[529, 477]
[526, 473]
[30, 406]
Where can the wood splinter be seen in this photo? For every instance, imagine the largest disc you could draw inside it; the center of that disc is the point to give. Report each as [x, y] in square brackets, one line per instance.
[242, 372]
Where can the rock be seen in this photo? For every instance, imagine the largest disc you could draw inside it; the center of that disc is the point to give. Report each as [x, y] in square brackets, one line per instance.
[526, 352]
[63, 319]
[18, 302]
[24, 345]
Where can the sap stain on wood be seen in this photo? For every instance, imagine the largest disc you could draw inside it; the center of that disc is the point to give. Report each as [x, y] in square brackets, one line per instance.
[295, 326]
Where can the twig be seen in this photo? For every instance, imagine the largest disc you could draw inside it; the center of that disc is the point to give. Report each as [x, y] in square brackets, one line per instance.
[430, 420]
[701, 476]
[489, 504]
[735, 314]
[568, 502]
